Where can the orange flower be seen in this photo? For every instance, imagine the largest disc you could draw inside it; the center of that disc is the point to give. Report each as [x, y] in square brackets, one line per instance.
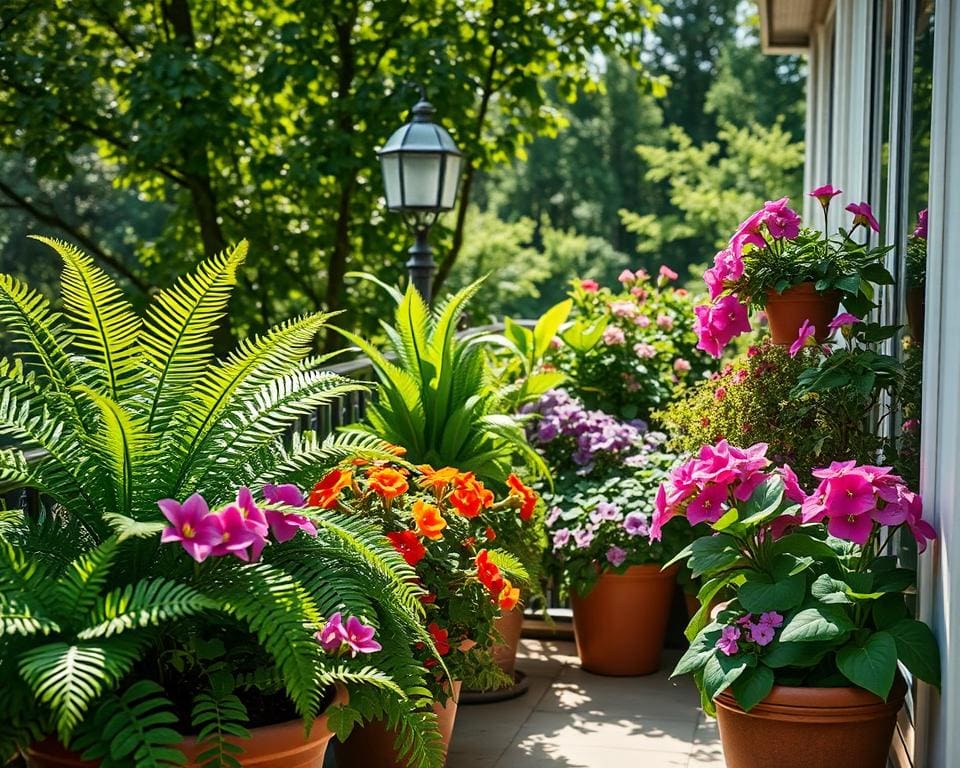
[528, 499]
[509, 596]
[428, 520]
[489, 573]
[490, 534]
[469, 496]
[388, 482]
[326, 493]
[437, 479]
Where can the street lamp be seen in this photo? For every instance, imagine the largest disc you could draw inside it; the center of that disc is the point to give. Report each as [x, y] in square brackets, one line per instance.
[421, 177]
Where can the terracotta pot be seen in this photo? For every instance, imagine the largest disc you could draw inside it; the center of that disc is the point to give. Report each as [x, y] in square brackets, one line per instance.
[916, 306]
[786, 312]
[620, 625]
[273, 746]
[810, 728]
[371, 745]
[510, 627]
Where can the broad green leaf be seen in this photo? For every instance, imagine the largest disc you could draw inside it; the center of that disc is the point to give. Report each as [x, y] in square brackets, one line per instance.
[917, 649]
[720, 671]
[829, 590]
[824, 622]
[753, 686]
[760, 593]
[870, 664]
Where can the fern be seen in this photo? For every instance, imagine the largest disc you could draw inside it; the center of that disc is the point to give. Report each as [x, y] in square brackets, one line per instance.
[150, 602]
[219, 717]
[132, 729]
[18, 617]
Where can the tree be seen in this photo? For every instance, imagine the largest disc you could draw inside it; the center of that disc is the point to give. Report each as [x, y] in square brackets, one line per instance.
[259, 120]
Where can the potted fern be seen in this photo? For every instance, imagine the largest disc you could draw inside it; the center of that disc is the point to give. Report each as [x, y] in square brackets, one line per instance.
[158, 612]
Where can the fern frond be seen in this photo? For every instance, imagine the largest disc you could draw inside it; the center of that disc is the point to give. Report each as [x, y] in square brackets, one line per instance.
[364, 676]
[81, 583]
[69, 678]
[103, 321]
[132, 729]
[176, 340]
[219, 718]
[149, 602]
[509, 564]
[18, 617]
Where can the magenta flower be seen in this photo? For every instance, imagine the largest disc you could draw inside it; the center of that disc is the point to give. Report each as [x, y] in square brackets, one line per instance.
[806, 331]
[863, 215]
[727, 268]
[772, 618]
[333, 635]
[849, 495]
[727, 643]
[256, 519]
[921, 229]
[761, 634]
[360, 637]
[922, 530]
[716, 324]
[748, 233]
[191, 525]
[589, 286]
[287, 494]
[825, 194]
[235, 536]
[285, 526]
[708, 505]
[782, 221]
[583, 538]
[791, 485]
[616, 556]
[844, 319]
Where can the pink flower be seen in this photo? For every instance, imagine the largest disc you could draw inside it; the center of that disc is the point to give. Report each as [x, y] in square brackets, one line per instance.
[727, 268]
[255, 519]
[623, 308]
[781, 221]
[772, 618]
[791, 485]
[748, 233]
[922, 530]
[642, 321]
[639, 293]
[911, 425]
[616, 556]
[287, 494]
[667, 274]
[708, 506]
[825, 194]
[626, 277]
[680, 365]
[863, 215]
[333, 635]
[191, 525]
[235, 536]
[716, 324]
[642, 274]
[644, 350]
[921, 229]
[360, 637]
[806, 331]
[589, 286]
[613, 336]
[849, 495]
[720, 393]
[665, 322]
[761, 634]
[285, 526]
[844, 319]
[727, 644]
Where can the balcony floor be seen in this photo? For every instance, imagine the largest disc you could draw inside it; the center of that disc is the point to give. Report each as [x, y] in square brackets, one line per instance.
[572, 719]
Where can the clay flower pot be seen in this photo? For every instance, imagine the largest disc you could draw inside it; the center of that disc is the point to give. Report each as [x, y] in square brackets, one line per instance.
[371, 745]
[273, 746]
[786, 312]
[915, 311]
[510, 627]
[620, 625]
[810, 728]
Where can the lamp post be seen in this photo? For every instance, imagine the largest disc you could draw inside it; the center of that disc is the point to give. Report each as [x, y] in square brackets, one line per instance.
[421, 177]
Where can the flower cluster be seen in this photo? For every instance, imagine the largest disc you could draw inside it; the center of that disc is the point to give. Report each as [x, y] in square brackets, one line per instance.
[769, 252]
[239, 529]
[853, 498]
[760, 632]
[628, 350]
[353, 637]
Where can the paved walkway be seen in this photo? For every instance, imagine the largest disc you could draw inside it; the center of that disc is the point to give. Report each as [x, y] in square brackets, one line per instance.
[572, 719]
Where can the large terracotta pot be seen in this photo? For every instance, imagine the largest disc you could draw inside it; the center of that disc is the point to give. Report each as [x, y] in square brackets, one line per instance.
[371, 745]
[810, 728]
[915, 312]
[786, 312]
[273, 746]
[510, 627]
[620, 625]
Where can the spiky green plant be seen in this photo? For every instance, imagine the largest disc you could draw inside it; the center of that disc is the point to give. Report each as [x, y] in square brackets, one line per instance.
[436, 398]
[116, 644]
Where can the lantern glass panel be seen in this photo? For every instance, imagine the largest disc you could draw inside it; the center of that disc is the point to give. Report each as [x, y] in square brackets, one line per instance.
[451, 182]
[391, 180]
[421, 179]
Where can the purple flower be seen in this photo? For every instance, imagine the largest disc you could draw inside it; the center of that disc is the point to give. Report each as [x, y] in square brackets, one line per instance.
[844, 318]
[636, 524]
[191, 525]
[360, 637]
[561, 538]
[235, 536]
[553, 515]
[772, 618]
[284, 526]
[583, 538]
[547, 431]
[805, 332]
[287, 494]
[608, 511]
[727, 644]
[616, 556]
[333, 635]
[863, 216]
[921, 230]
[761, 634]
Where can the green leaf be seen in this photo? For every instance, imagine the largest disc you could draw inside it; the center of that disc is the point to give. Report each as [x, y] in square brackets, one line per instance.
[760, 593]
[795, 654]
[889, 609]
[825, 622]
[800, 543]
[753, 686]
[695, 657]
[720, 671]
[829, 590]
[712, 553]
[917, 649]
[872, 664]
[764, 503]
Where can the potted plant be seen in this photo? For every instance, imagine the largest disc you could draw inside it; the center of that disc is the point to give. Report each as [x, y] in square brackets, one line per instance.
[439, 521]
[803, 659]
[917, 276]
[158, 612]
[605, 474]
[795, 274]
[628, 352]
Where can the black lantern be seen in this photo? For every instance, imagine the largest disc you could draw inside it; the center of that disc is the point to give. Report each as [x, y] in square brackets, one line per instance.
[421, 177]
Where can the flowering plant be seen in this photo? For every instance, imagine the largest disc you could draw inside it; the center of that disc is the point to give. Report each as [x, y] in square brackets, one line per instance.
[605, 473]
[815, 599]
[627, 352]
[442, 523]
[917, 253]
[157, 596]
[770, 253]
